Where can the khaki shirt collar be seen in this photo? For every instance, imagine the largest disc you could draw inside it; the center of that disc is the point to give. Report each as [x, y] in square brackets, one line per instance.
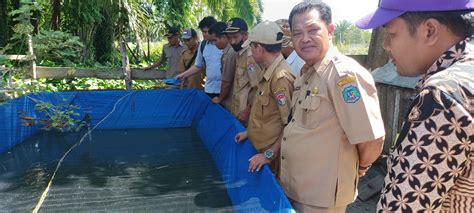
[226, 49]
[243, 50]
[267, 74]
[321, 66]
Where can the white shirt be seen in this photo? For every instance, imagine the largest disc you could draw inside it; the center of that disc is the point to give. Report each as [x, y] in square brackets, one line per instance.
[211, 60]
[295, 62]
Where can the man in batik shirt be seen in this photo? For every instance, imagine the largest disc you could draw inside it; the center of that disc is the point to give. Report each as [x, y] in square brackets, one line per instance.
[430, 167]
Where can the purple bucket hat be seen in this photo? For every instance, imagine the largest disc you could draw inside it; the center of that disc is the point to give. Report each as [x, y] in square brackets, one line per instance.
[391, 9]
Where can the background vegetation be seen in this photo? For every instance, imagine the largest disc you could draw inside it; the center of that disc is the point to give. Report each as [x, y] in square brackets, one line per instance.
[93, 28]
[87, 33]
[351, 40]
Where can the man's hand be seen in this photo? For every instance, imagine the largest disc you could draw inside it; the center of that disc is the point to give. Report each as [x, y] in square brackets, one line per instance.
[363, 170]
[257, 161]
[216, 100]
[243, 116]
[181, 76]
[241, 136]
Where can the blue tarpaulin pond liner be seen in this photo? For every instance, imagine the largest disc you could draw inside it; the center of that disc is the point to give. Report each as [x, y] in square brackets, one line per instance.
[108, 110]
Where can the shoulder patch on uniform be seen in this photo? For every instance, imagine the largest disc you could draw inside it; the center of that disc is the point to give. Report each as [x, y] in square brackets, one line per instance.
[349, 78]
[251, 67]
[281, 99]
[351, 94]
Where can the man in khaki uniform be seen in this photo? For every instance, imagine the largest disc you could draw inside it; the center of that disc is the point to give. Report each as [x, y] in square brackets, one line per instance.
[336, 131]
[271, 106]
[246, 73]
[171, 53]
[188, 56]
[219, 38]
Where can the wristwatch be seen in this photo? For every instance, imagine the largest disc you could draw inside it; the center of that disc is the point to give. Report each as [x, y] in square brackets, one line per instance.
[268, 154]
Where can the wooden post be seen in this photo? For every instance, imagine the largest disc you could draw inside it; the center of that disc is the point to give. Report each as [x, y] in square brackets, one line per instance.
[126, 66]
[33, 59]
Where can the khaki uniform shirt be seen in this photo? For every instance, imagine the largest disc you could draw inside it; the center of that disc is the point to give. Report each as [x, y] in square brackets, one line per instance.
[271, 106]
[334, 106]
[245, 80]
[172, 55]
[228, 72]
[194, 81]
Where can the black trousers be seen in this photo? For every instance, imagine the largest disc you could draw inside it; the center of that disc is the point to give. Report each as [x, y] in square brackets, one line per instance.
[212, 95]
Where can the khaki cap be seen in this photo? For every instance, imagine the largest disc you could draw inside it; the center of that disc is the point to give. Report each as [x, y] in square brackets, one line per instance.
[285, 28]
[266, 32]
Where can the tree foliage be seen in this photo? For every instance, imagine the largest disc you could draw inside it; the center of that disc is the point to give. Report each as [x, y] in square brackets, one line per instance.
[57, 47]
[350, 39]
[101, 24]
[23, 27]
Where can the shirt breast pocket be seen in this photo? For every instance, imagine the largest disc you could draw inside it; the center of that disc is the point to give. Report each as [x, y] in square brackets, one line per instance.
[311, 115]
[262, 103]
[242, 80]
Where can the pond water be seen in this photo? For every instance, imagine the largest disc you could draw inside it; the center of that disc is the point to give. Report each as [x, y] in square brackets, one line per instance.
[153, 170]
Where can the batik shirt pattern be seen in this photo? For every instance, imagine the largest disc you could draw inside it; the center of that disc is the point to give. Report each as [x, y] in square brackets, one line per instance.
[435, 143]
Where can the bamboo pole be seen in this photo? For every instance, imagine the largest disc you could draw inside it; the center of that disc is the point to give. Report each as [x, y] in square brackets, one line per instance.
[126, 66]
[33, 59]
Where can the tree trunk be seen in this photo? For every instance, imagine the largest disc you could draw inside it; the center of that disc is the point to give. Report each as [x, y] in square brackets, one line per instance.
[15, 6]
[148, 45]
[35, 20]
[104, 38]
[56, 14]
[4, 23]
[377, 55]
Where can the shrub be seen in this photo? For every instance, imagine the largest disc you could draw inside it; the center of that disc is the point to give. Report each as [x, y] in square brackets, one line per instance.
[57, 47]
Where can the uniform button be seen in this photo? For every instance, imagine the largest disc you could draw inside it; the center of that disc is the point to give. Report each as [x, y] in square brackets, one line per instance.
[306, 82]
[284, 138]
[299, 102]
[293, 120]
[283, 157]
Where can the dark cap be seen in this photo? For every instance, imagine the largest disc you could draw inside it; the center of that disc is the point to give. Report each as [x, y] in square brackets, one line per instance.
[235, 25]
[188, 33]
[171, 32]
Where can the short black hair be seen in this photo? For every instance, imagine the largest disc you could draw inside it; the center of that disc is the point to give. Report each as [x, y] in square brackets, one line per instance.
[193, 33]
[458, 22]
[207, 21]
[271, 48]
[323, 9]
[218, 29]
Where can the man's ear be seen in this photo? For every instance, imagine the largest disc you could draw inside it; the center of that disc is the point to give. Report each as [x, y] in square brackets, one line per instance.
[331, 29]
[430, 30]
[245, 36]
